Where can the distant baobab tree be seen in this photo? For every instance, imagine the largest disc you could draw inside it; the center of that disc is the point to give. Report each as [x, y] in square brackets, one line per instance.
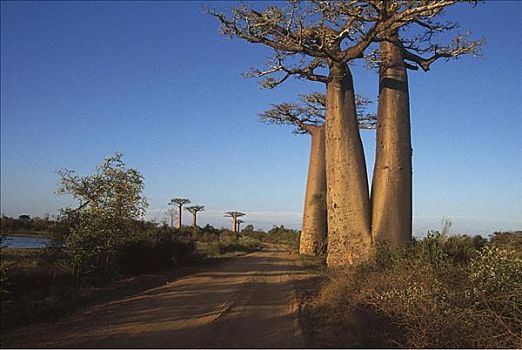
[234, 215]
[239, 222]
[194, 210]
[317, 40]
[179, 202]
[308, 116]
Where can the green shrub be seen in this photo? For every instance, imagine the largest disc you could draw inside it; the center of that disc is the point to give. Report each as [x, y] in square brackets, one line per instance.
[461, 248]
[496, 269]
[209, 249]
[512, 240]
[249, 242]
[284, 236]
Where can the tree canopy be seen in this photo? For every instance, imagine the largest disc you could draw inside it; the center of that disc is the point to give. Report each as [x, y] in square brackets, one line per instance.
[114, 189]
[308, 36]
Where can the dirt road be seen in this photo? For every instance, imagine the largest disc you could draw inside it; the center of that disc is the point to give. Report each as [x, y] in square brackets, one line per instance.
[247, 302]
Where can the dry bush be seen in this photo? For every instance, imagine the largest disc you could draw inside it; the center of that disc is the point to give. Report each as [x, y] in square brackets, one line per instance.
[437, 293]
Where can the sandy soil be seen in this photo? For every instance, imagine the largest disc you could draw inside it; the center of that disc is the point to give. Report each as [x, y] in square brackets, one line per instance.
[247, 302]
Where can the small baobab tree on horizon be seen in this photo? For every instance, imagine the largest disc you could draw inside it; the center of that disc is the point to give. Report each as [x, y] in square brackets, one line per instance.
[234, 215]
[194, 210]
[239, 222]
[308, 116]
[179, 202]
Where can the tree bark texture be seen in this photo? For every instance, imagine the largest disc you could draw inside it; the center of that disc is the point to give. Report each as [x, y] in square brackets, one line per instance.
[234, 224]
[179, 216]
[348, 202]
[313, 233]
[194, 220]
[392, 176]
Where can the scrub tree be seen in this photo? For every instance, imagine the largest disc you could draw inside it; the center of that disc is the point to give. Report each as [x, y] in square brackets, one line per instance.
[109, 203]
[171, 214]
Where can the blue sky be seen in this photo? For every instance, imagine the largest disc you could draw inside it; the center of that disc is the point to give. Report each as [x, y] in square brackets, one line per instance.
[156, 81]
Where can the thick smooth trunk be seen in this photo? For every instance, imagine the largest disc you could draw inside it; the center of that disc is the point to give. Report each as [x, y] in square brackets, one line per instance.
[234, 224]
[194, 220]
[313, 233]
[392, 175]
[179, 217]
[348, 202]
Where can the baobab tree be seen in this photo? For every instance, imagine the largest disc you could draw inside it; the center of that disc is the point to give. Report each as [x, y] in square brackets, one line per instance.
[308, 116]
[239, 222]
[392, 180]
[234, 215]
[310, 41]
[194, 210]
[179, 202]
[316, 40]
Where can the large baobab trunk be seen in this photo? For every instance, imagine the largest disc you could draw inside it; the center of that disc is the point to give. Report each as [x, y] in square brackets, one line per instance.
[234, 224]
[392, 176]
[313, 234]
[348, 203]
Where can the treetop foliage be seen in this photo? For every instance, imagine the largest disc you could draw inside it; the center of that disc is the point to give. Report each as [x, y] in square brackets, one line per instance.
[234, 214]
[195, 208]
[179, 201]
[114, 189]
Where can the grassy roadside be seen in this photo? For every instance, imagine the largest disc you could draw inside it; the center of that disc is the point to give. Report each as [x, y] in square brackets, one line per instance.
[439, 292]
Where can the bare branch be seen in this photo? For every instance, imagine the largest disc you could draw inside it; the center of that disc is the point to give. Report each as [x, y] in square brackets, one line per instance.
[313, 35]
[458, 47]
[310, 112]
[277, 64]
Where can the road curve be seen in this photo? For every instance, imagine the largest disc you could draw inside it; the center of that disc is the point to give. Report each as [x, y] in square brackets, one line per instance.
[246, 302]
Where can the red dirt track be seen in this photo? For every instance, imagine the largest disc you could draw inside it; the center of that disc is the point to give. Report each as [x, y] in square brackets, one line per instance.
[246, 302]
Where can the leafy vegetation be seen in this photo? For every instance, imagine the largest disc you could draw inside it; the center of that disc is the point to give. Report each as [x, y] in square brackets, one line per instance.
[99, 243]
[439, 292]
[40, 284]
[26, 225]
[109, 202]
[284, 236]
